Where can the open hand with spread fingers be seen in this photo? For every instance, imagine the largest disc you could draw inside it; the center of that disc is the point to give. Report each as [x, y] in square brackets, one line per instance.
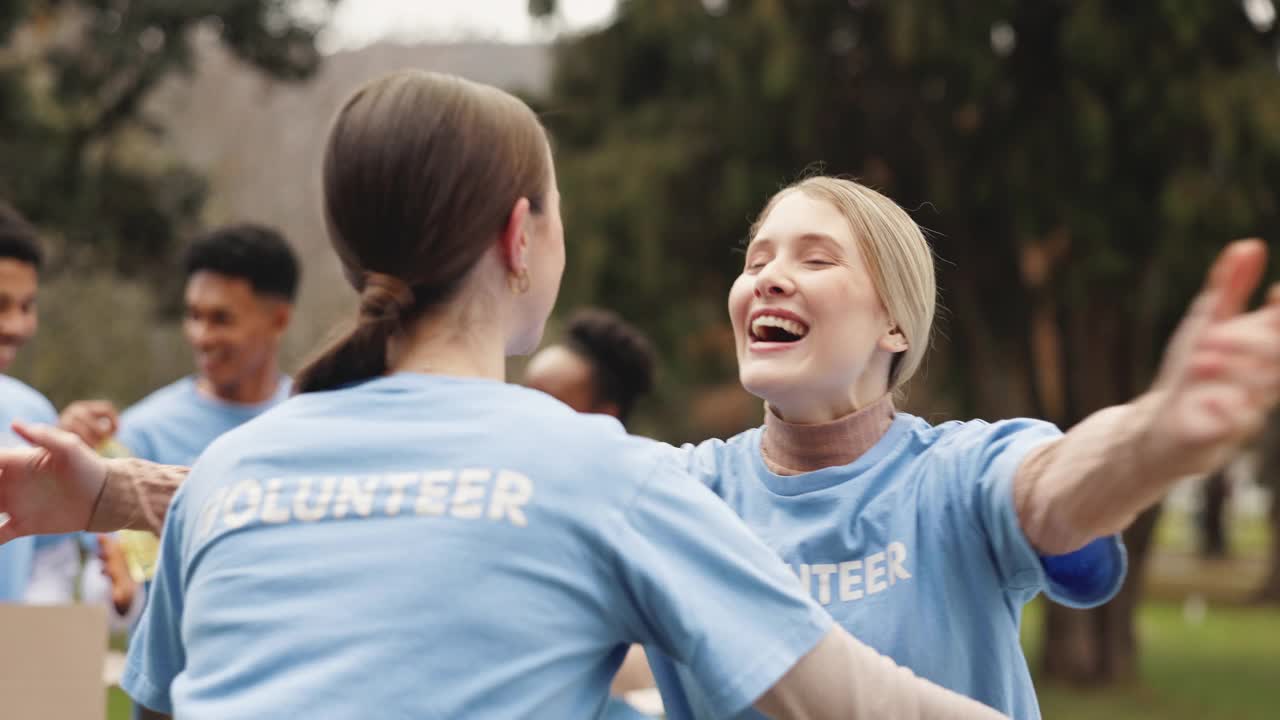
[1221, 372]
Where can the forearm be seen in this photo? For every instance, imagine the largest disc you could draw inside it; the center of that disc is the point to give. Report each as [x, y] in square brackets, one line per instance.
[842, 678]
[1094, 480]
[135, 495]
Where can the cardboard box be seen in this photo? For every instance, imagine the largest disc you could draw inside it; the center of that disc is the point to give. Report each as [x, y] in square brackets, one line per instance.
[52, 662]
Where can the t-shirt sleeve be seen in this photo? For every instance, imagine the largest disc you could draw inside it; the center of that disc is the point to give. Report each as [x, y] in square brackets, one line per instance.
[986, 458]
[703, 461]
[990, 456]
[156, 652]
[43, 412]
[134, 440]
[1087, 577]
[702, 589]
[33, 408]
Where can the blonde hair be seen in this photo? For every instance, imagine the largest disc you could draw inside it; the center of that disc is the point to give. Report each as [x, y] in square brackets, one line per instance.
[897, 256]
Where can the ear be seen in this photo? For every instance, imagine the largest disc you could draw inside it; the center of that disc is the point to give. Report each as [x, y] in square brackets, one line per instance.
[514, 241]
[281, 313]
[894, 340]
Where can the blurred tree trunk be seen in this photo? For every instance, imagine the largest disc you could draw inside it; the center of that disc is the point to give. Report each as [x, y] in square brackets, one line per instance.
[1099, 646]
[1269, 476]
[1213, 516]
[1085, 358]
[1271, 586]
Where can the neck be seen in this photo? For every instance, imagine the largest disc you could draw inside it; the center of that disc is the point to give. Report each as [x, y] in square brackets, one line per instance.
[439, 348]
[258, 387]
[791, 448]
[814, 405]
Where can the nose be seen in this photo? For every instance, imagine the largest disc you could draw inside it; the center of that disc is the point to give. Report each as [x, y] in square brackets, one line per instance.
[199, 334]
[11, 323]
[773, 281]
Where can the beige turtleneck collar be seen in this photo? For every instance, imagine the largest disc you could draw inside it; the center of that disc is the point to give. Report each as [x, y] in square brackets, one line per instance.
[791, 449]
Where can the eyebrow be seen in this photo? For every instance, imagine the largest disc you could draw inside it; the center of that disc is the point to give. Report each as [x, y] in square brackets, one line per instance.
[805, 239]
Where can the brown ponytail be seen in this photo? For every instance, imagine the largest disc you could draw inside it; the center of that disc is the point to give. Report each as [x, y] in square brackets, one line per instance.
[420, 171]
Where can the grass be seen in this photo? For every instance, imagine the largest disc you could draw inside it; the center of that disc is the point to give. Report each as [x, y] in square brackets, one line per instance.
[118, 705]
[1223, 665]
[1226, 665]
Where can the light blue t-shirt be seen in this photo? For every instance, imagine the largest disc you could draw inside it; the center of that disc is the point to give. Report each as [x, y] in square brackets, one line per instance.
[18, 401]
[427, 547]
[915, 548]
[174, 424]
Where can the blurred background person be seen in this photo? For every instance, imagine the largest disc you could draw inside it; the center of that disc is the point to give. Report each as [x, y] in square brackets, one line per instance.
[241, 281]
[20, 261]
[601, 365]
[45, 570]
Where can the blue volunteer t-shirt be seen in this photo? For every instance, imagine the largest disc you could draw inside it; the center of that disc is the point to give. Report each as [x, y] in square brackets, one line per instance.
[19, 401]
[174, 424]
[915, 548]
[424, 546]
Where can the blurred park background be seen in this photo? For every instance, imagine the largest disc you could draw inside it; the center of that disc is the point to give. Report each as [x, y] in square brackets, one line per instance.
[1076, 162]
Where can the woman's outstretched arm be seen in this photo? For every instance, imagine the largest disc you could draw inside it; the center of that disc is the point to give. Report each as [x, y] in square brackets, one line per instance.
[1219, 380]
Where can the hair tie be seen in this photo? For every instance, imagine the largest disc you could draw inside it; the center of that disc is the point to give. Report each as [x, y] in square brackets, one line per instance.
[384, 296]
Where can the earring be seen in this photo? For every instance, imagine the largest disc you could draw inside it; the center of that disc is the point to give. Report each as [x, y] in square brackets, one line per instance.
[519, 282]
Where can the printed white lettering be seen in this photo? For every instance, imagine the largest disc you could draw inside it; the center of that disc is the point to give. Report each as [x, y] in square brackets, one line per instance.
[432, 489]
[468, 492]
[398, 482]
[310, 514]
[251, 493]
[511, 492]
[355, 494]
[875, 569]
[271, 511]
[849, 577]
[898, 562]
[503, 496]
[209, 513]
[824, 571]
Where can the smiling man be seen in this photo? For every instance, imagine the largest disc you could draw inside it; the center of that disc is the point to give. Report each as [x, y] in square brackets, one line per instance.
[241, 282]
[20, 260]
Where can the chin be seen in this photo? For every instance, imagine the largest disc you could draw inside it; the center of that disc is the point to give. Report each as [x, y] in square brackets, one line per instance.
[765, 384]
[783, 387]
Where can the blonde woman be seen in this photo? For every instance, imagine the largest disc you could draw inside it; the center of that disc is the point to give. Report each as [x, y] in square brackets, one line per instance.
[926, 541]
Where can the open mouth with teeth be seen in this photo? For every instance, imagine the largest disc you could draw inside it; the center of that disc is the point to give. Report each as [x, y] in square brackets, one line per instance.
[775, 329]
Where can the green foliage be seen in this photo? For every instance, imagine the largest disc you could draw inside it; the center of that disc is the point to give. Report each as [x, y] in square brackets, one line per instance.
[1141, 136]
[79, 155]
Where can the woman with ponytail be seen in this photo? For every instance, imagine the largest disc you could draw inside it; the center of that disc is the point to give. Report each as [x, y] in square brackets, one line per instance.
[410, 536]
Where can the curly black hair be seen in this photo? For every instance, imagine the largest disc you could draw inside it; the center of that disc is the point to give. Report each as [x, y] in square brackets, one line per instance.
[622, 358]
